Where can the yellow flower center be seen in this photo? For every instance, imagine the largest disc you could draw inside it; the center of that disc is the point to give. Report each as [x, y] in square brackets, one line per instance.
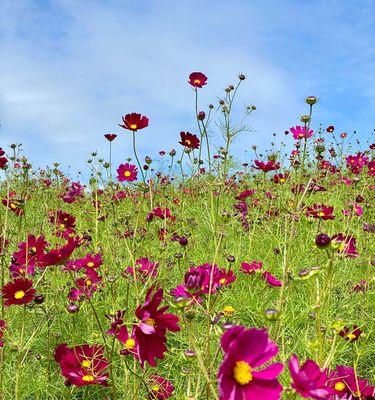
[133, 126]
[242, 373]
[88, 282]
[90, 264]
[19, 294]
[127, 174]
[300, 135]
[351, 336]
[282, 180]
[62, 226]
[86, 363]
[87, 378]
[198, 81]
[228, 310]
[188, 142]
[12, 206]
[339, 386]
[155, 388]
[321, 214]
[150, 322]
[130, 344]
[222, 281]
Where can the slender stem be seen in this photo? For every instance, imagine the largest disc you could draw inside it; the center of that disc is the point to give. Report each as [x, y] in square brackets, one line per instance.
[136, 157]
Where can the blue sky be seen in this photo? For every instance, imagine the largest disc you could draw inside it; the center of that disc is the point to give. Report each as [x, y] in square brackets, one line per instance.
[70, 69]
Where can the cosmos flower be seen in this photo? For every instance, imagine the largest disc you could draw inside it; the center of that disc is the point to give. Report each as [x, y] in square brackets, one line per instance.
[134, 122]
[356, 162]
[127, 172]
[320, 211]
[64, 222]
[20, 291]
[371, 168]
[346, 245]
[271, 280]
[242, 374]
[143, 268]
[110, 136]
[270, 165]
[351, 335]
[73, 193]
[162, 213]
[197, 79]
[160, 387]
[344, 383]
[308, 380]
[82, 365]
[251, 268]
[14, 203]
[89, 262]
[245, 194]
[60, 255]
[330, 129]
[153, 326]
[301, 132]
[281, 178]
[189, 140]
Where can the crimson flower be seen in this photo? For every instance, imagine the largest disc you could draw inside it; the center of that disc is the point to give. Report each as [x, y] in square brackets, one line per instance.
[20, 291]
[197, 79]
[65, 223]
[151, 330]
[330, 129]
[160, 387]
[270, 165]
[82, 365]
[320, 211]
[242, 374]
[127, 172]
[308, 380]
[134, 122]
[189, 140]
[110, 136]
[14, 203]
[351, 335]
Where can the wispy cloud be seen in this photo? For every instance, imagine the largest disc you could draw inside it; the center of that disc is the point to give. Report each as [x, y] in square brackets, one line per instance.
[70, 70]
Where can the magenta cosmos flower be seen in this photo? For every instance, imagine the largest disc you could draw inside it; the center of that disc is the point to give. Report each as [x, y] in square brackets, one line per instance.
[301, 132]
[251, 268]
[153, 326]
[82, 365]
[320, 211]
[160, 387]
[346, 245]
[127, 172]
[197, 79]
[242, 374]
[134, 122]
[308, 380]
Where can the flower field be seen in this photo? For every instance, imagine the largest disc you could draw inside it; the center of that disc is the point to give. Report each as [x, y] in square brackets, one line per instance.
[193, 274]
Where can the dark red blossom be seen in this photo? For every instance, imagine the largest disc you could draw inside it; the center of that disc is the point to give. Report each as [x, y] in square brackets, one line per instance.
[110, 136]
[197, 79]
[189, 140]
[19, 291]
[134, 122]
[82, 365]
[351, 335]
[320, 211]
[270, 165]
[153, 326]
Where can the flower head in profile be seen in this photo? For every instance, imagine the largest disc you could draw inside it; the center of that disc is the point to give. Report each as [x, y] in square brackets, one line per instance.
[127, 173]
[251, 268]
[351, 334]
[301, 132]
[110, 136]
[189, 140]
[243, 374]
[271, 280]
[19, 291]
[197, 79]
[270, 165]
[346, 245]
[308, 380]
[82, 365]
[134, 122]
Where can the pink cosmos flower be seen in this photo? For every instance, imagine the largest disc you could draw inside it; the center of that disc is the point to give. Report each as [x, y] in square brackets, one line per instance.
[301, 132]
[271, 280]
[308, 380]
[127, 172]
[197, 79]
[346, 245]
[242, 374]
[251, 268]
[160, 387]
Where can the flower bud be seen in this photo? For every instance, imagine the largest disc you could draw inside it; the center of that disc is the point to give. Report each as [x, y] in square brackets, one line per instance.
[272, 314]
[311, 100]
[322, 240]
[305, 118]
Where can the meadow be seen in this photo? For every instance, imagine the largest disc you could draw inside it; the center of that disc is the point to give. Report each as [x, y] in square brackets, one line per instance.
[193, 275]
